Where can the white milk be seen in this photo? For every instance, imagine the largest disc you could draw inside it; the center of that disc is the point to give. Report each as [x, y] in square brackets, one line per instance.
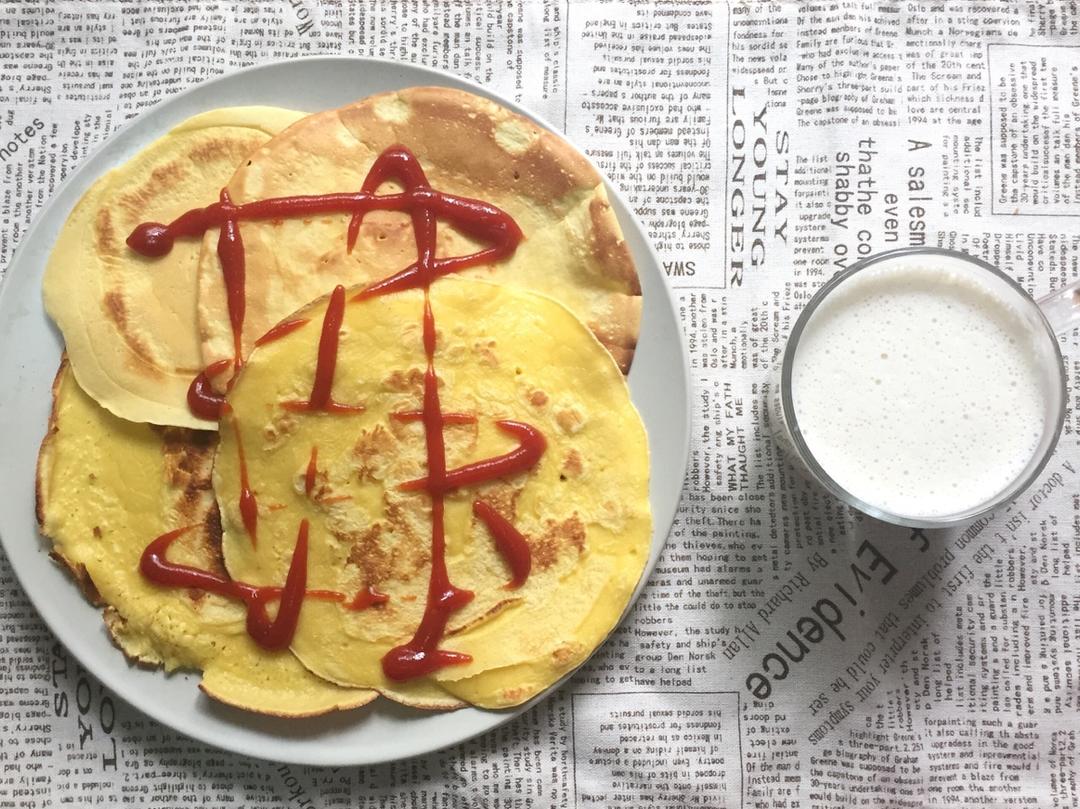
[919, 390]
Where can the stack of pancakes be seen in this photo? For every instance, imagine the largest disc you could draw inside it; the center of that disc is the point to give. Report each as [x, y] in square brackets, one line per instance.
[542, 337]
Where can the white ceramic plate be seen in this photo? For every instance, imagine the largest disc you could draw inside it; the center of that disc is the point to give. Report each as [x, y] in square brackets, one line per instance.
[31, 345]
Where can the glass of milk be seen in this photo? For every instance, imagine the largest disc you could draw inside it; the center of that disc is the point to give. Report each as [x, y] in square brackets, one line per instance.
[923, 386]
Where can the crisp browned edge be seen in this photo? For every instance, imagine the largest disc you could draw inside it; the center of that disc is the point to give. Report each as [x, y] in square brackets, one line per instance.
[77, 572]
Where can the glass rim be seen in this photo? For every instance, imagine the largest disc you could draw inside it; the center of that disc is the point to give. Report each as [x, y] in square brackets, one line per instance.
[808, 457]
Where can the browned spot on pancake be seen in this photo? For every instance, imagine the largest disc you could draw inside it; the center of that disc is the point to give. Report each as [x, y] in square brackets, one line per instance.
[211, 536]
[187, 464]
[512, 696]
[556, 539]
[97, 532]
[204, 543]
[405, 381]
[229, 149]
[103, 231]
[572, 466]
[569, 420]
[116, 309]
[160, 177]
[538, 398]
[366, 554]
[188, 457]
[373, 450]
[417, 548]
[138, 203]
[546, 171]
[387, 550]
[563, 655]
[608, 247]
[486, 353]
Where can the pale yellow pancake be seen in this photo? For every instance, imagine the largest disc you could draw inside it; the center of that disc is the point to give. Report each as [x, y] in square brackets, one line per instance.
[502, 353]
[129, 322]
[106, 488]
[573, 249]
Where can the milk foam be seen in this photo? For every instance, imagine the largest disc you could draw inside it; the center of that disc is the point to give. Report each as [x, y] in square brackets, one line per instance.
[920, 390]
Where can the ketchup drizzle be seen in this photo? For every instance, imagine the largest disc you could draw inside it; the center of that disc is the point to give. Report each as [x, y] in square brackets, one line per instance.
[326, 362]
[478, 220]
[269, 634]
[230, 250]
[368, 597]
[249, 508]
[422, 654]
[203, 401]
[276, 634]
[527, 454]
[509, 542]
[312, 471]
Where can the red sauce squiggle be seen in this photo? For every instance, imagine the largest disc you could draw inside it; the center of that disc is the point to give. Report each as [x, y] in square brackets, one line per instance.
[277, 634]
[479, 220]
[422, 654]
[476, 219]
[270, 634]
[311, 472]
[230, 249]
[509, 542]
[447, 418]
[249, 507]
[368, 597]
[326, 363]
[531, 445]
[203, 401]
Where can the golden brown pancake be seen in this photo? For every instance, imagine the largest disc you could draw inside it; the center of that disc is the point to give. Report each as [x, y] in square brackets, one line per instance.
[502, 354]
[573, 248]
[129, 322]
[106, 488]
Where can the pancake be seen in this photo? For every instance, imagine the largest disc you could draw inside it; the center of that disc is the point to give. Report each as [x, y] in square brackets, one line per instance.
[573, 249]
[502, 354]
[129, 322]
[106, 488]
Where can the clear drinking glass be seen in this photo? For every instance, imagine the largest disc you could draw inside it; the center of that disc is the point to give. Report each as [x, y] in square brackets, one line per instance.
[1056, 313]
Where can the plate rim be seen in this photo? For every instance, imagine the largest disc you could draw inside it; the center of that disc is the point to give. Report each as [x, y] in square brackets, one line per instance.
[302, 748]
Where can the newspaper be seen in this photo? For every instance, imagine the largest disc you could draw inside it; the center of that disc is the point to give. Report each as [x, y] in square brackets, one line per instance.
[764, 146]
